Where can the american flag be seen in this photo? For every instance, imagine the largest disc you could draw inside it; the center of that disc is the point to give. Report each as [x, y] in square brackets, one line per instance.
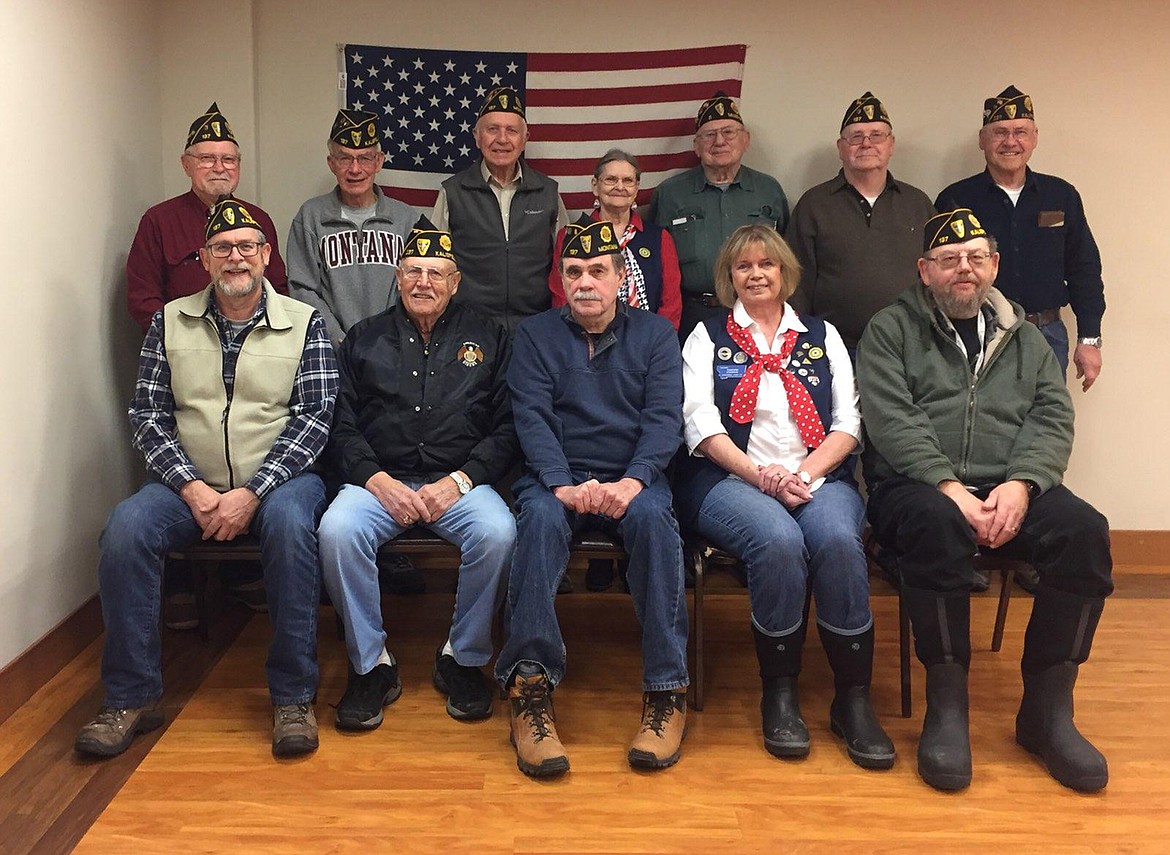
[578, 106]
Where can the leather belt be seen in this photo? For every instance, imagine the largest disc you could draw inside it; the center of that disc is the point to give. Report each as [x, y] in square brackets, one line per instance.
[711, 301]
[1043, 318]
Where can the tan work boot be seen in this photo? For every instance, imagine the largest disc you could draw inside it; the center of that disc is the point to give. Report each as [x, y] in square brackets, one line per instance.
[294, 730]
[112, 731]
[539, 752]
[664, 724]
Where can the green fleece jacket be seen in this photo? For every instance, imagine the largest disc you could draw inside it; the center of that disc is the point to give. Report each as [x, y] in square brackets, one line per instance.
[929, 418]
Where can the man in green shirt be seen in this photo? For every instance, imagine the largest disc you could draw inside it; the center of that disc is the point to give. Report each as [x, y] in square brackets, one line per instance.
[702, 206]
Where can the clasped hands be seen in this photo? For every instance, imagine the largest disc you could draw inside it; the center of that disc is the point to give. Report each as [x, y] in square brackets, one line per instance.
[407, 506]
[221, 516]
[996, 519]
[609, 499]
[782, 485]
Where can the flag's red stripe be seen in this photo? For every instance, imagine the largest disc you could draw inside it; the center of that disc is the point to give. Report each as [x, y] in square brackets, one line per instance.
[557, 166]
[635, 60]
[424, 199]
[631, 94]
[613, 130]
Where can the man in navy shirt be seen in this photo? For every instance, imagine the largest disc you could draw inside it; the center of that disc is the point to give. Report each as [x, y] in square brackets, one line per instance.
[1048, 258]
[597, 400]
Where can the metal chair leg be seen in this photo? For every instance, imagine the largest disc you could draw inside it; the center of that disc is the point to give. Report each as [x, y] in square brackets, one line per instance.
[904, 653]
[700, 649]
[1008, 575]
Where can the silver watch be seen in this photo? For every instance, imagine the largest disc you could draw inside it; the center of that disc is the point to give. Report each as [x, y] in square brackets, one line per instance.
[1094, 340]
[462, 483]
[804, 477]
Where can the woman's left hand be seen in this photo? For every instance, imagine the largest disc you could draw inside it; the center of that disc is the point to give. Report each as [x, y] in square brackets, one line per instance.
[772, 478]
[794, 493]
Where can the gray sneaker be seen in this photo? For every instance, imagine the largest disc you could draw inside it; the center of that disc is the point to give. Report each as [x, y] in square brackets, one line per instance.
[294, 730]
[112, 731]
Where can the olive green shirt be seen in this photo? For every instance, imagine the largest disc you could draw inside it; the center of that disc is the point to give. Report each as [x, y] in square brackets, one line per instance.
[700, 215]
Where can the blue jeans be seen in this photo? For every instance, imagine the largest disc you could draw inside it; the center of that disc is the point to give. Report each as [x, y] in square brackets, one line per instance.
[1056, 334]
[783, 551]
[650, 534]
[356, 525]
[145, 527]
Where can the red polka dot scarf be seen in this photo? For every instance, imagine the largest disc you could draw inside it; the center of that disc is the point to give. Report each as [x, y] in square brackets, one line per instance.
[747, 391]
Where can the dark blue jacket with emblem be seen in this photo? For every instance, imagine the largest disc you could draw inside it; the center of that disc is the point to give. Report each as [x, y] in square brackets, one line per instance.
[421, 410]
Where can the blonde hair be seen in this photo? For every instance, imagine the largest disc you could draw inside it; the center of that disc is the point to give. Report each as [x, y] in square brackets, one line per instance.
[737, 244]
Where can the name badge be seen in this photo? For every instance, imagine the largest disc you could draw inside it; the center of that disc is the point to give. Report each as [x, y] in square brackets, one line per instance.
[730, 372]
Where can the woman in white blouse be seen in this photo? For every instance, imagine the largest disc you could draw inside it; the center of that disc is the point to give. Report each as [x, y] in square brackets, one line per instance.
[771, 421]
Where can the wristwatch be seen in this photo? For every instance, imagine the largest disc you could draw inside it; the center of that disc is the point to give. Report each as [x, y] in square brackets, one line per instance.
[804, 477]
[1094, 340]
[1032, 487]
[462, 483]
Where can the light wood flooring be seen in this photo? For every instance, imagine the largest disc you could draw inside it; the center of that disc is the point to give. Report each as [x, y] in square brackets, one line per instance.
[425, 783]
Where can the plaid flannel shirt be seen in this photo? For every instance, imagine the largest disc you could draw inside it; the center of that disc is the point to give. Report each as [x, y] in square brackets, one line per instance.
[314, 391]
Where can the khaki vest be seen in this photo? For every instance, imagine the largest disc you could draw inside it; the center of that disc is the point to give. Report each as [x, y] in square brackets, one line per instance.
[228, 441]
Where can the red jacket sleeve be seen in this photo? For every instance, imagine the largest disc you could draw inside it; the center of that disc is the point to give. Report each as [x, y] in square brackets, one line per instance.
[555, 286]
[671, 307]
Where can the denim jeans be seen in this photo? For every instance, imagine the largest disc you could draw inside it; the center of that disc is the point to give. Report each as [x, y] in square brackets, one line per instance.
[1056, 334]
[817, 545]
[145, 527]
[650, 534]
[356, 525]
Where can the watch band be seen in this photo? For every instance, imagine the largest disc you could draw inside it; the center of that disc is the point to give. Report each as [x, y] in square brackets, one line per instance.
[1094, 340]
[462, 483]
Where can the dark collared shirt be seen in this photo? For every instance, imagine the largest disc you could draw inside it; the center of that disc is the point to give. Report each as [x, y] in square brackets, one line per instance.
[855, 258]
[1048, 257]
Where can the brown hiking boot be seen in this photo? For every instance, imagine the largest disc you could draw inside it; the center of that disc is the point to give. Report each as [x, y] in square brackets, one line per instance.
[539, 752]
[294, 730]
[664, 724]
[112, 731]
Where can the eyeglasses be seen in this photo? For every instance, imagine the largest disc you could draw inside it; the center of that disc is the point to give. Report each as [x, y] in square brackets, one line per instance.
[433, 274]
[873, 137]
[950, 260]
[725, 134]
[1004, 134]
[365, 161]
[612, 181]
[209, 161]
[246, 248]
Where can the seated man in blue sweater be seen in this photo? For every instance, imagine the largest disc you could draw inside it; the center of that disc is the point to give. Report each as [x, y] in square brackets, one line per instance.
[597, 400]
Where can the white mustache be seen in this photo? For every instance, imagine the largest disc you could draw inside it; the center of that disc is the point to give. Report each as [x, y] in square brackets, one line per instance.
[586, 297]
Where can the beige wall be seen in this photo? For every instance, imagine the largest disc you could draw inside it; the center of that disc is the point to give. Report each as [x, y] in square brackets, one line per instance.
[118, 88]
[79, 100]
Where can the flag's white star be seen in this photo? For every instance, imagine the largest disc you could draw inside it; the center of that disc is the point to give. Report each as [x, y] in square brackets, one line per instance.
[464, 78]
[495, 80]
[418, 160]
[418, 63]
[434, 149]
[511, 68]
[449, 65]
[447, 162]
[434, 77]
[464, 151]
[480, 67]
[402, 75]
[357, 105]
[356, 57]
[358, 82]
[387, 61]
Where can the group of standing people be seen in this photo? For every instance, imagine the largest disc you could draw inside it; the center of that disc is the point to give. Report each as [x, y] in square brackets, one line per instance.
[417, 362]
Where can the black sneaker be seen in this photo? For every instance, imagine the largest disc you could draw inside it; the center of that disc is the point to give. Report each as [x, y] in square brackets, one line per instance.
[360, 708]
[402, 577]
[469, 696]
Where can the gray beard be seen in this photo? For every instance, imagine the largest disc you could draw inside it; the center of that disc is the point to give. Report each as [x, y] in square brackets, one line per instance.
[229, 291]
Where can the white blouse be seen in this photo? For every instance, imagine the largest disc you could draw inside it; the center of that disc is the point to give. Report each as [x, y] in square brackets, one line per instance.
[775, 438]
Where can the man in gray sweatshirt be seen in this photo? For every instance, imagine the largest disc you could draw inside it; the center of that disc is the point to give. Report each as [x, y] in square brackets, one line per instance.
[343, 246]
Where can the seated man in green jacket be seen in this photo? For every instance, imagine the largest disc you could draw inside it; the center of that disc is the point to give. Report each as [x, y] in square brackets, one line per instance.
[970, 428]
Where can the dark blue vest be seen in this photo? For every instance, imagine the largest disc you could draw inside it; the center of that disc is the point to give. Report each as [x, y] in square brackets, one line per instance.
[698, 475]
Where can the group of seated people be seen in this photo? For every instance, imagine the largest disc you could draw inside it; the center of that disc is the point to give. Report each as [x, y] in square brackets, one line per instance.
[253, 416]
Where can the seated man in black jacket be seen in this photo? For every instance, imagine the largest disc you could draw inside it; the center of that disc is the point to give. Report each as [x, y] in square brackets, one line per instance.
[423, 428]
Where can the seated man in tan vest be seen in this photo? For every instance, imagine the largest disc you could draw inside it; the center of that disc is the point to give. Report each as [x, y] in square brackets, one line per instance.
[235, 394]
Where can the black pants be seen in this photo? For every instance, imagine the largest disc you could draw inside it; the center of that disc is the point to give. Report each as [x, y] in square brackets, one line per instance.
[1065, 538]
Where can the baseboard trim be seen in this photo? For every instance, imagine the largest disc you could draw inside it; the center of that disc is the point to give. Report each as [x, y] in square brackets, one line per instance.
[26, 674]
[1135, 546]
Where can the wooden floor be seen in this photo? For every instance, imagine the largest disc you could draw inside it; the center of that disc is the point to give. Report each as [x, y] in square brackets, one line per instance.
[425, 783]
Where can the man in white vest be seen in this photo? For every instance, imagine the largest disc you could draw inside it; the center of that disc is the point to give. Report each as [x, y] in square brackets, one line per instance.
[234, 399]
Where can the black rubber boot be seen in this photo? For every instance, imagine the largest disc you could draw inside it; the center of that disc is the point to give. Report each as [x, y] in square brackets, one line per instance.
[944, 749]
[1058, 639]
[942, 640]
[851, 715]
[785, 733]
